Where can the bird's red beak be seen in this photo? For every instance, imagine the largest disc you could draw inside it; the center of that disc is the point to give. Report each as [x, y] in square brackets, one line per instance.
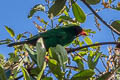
[83, 33]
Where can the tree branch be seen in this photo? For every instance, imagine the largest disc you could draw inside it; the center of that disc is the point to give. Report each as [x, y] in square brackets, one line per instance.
[86, 46]
[117, 32]
[72, 67]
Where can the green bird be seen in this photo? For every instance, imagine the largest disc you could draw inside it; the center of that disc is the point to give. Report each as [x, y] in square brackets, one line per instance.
[62, 35]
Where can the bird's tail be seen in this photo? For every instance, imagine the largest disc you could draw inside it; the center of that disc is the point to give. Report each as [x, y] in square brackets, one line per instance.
[17, 43]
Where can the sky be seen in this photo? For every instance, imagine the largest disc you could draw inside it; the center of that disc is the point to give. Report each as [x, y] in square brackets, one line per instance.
[13, 13]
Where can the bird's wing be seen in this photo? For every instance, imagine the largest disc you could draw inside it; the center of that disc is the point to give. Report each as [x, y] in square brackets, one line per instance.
[49, 34]
[54, 33]
[34, 37]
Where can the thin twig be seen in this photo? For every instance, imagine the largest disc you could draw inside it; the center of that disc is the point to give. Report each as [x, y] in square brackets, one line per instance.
[113, 35]
[84, 1]
[81, 57]
[86, 46]
[96, 11]
[98, 70]
[72, 67]
[103, 63]
[52, 23]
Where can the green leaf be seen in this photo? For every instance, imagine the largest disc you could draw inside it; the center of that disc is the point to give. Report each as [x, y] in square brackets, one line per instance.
[60, 54]
[97, 58]
[110, 1]
[13, 57]
[15, 72]
[41, 52]
[57, 8]
[1, 56]
[43, 21]
[35, 71]
[32, 54]
[10, 31]
[116, 8]
[116, 25]
[64, 18]
[47, 78]
[55, 68]
[63, 53]
[65, 12]
[118, 39]
[90, 31]
[19, 36]
[79, 62]
[25, 74]
[41, 72]
[83, 75]
[82, 53]
[88, 40]
[2, 74]
[92, 53]
[90, 57]
[38, 7]
[93, 2]
[6, 41]
[93, 58]
[52, 52]
[90, 62]
[78, 13]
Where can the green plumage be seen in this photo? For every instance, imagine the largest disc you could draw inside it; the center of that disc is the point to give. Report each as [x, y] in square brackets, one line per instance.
[62, 36]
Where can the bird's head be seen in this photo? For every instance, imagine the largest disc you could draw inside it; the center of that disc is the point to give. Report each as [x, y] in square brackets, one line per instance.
[79, 31]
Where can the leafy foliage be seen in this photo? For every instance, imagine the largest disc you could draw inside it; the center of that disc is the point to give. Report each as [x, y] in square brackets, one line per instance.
[2, 74]
[38, 7]
[25, 74]
[10, 31]
[37, 63]
[82, 75]
[116, 25]
[78, 13]
[55, 9]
